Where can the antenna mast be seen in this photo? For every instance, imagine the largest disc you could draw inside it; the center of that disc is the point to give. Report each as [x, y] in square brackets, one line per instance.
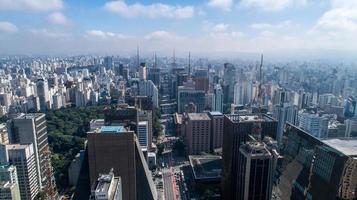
[189, 64]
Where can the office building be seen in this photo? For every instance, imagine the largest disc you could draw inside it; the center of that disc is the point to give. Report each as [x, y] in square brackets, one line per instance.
[229, 78]
[9, 186]
[217, 101]
[142, 134]
[4, 136]
[107, 187]
[190, 100]
[350, 107]
[217, 119]
[312, 168]
[313, 123]
[351, 127]
[237, 129]
[148, 88]
[255, 172]
[115, 147]
[31, 128]
[43, 94]
[285, 112]
[146, 116]
[23, 158]
[198, 133]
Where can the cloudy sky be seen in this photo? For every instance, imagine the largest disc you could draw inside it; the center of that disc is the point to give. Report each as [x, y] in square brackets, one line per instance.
[212, 26]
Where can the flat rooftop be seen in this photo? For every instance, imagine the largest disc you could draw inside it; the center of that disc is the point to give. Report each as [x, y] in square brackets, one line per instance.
[346, 146]
[206, 167]
[198, 116]
[112, 129]
[256, 117]
[215, 113]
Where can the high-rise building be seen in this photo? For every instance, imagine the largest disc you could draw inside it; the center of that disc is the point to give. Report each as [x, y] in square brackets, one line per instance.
[108, 62]
[107, 187]
[198, 133]
[32, 128]
[4, 136]
[285, 112]
[43, 94]
[9, 186]
[217, 119]
[217, 101]
[113, 147]
[143, 72]
[23, 158]
[350, 107]
[229, 78]
[148, 88]
[143, 135]
[190, 100]
[236, 131]
[312, 168]
[313, 123]
[255, 172]
[146, 116]
[351, 127]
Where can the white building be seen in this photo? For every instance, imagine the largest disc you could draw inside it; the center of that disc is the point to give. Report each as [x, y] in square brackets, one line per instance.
[142, 133]
[9, 186]
[148, 88]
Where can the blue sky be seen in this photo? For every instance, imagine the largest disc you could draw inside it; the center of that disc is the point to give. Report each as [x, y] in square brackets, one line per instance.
[212, 26]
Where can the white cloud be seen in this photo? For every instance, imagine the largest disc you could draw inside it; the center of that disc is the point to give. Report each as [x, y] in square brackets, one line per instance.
[266, 4]
[49, 33]
[284, 24]
[105, 35]
[161, 35]
[338, 22]
[31, 5]
[8, 27]
[220, 27]
[58, 18]
[155, 10]
[225, 5]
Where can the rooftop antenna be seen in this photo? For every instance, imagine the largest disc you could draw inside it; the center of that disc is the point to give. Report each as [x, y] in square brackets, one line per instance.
[189, 64]
[174, 57]
[260, 83]
[137, 55]
[155, 63]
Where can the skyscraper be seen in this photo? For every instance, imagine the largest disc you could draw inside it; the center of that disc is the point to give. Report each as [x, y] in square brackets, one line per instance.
[32, 128]
[312, 168]
[217, 101]
[43, 94]
[284, 112]
[198, 133]
[236, 131]
[217, 119]
[190, 100]
[142, 133]
[9, 185]
[255, 171]
[23, 158]
[350, 107]
[114, 147]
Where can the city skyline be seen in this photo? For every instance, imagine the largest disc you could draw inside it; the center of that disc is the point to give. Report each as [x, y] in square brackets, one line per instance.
[229, 26]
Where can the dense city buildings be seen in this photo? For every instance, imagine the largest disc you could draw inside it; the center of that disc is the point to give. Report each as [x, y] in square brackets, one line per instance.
[171, 127]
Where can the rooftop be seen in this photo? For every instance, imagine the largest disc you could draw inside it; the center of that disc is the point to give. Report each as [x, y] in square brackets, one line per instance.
[250, 118]
[198, 116]
[206, 167]
[215, 113]
[346, 146]
[112, 129]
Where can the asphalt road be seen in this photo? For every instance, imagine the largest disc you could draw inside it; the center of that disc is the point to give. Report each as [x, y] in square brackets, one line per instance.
[168, 187]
